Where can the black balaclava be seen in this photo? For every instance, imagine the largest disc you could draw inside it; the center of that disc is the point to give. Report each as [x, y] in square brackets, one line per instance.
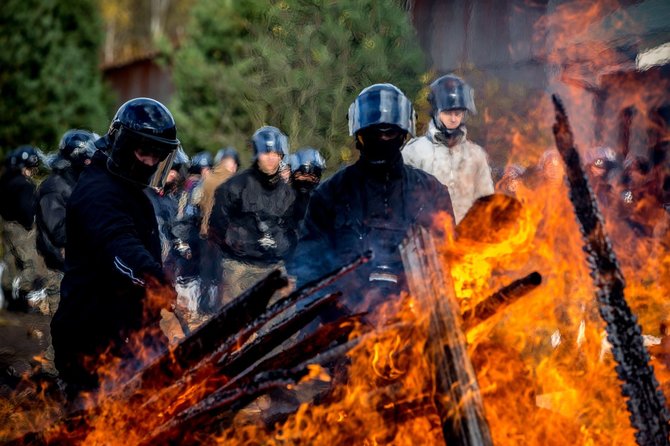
[379, 156]
[126, 165]
[306, 186]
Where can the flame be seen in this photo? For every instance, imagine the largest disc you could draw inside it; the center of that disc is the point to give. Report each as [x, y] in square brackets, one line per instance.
[543, 367]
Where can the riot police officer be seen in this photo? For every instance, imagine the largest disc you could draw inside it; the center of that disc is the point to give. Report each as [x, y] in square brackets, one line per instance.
[253, 218]
[75, 150]
[228, 158]
[371, 204]
[445, 151]
[307, 166]
[113, 251]
[25, 268]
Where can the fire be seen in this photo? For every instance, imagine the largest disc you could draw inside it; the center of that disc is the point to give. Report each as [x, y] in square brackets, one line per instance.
[543, 367]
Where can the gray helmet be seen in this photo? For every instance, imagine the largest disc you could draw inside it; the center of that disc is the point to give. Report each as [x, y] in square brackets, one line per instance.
[600, 156]
[381, 104]
[450, 92]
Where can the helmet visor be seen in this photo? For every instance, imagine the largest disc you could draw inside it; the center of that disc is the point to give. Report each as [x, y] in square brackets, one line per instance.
[381, 107]
[149, 144]
[448, 94]
[159, 177]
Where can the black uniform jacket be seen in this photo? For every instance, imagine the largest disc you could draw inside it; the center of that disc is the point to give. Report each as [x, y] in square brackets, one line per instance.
[18, 198]
[254, 217]
[358, 210]
[112, 249]
[52, 197]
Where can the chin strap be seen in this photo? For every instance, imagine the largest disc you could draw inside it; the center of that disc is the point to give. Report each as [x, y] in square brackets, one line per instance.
[449, 137]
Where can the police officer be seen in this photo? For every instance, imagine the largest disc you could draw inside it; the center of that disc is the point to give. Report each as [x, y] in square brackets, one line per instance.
[75, 150]
[113, 256]
[371, 204]
[164, 197]
[228, 158]
[253, 218]
[601, 168]
[307, 166]
[186, 229]
[25, 268]
[226, 164]
[446, 152]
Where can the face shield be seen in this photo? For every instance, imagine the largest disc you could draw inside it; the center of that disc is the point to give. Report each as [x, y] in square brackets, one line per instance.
[159, 178]
[451, 93]
[381, 104]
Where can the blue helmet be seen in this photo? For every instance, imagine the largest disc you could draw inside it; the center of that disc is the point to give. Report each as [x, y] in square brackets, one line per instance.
[307, 160]
[381, 104]
[199, 161]
[227, 152]
[269, 139]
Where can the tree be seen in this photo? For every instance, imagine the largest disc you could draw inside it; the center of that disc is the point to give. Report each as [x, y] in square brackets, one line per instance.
[49, 80]
[294, 64]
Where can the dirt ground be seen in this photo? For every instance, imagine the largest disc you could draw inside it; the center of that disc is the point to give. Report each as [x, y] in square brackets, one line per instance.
[24, 338]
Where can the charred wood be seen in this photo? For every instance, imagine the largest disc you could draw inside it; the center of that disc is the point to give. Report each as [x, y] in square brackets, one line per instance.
[217, 411]
[230, 320]
[504, 296]
[646, 404]
[457, 397]
[255, 350]
[200, 357]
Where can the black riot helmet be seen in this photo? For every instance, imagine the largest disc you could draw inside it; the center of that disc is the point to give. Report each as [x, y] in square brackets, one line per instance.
[381, 118]
[227, 152]
[25, 156]
[199, 161]
[142, 127]
[308, 161]
[77, 147]
[381, 105]
[450, 92]
[269, 139]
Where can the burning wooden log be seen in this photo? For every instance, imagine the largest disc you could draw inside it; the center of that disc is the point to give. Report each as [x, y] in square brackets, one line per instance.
[227, 322]
[227, 359]
[219, 408]
[504, 296]
[646, 404]
[208, 355]
[457, 397]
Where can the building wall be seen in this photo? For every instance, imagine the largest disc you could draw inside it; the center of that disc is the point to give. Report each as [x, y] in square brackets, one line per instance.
[141, 78]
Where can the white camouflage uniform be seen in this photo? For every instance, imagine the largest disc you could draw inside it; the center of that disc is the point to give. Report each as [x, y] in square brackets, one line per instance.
[463, 168]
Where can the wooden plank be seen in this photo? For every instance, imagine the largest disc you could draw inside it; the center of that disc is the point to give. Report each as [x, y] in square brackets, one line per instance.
[457, 395]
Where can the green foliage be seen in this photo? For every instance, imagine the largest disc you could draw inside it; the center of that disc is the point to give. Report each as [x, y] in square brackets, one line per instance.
[49, 77]
[294, 64]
